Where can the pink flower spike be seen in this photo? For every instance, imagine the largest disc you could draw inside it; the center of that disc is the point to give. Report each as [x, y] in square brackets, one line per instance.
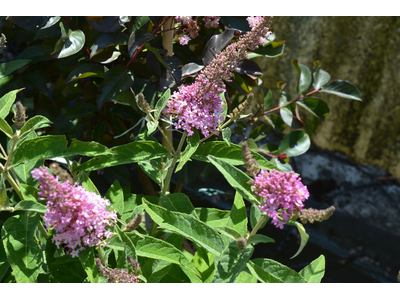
[79, 217]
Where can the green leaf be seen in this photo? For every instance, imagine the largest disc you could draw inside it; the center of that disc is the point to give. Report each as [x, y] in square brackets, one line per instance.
[236, 178]
[229, 232]
[231, 262]
[304, 77]
[88, 262]
[238, 215]
[125, 154]
[6, 128]
[193, 144]
[272, 49]
[187, 226]
[314, 272]
[116, 80]
[267, 97]
[7, 101]
[178, 202]
[116, 197]
[129, 247]
[35, 123]
[343, 89]
[161, 103]
[153, 269]
[72, 44]
[288, 111]
[137, 38]
[64, 268]
[9, 67]
[86, 148]
[213, 217]
[230, 154]
[255, 216]
[4, 201]
[158, 249]
[295, 143]
[268, 270]
[39, 148]
[315, 106]
[86, 70]
[303, 235]
[29, 205]
[321, 78]
[22, 249]
[108, 40]
[226, 135]
[28, 192]
[245, 277]
[259, 238]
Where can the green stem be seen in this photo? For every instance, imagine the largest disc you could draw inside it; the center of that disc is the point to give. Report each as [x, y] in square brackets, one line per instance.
[258, 225]
[101, 255]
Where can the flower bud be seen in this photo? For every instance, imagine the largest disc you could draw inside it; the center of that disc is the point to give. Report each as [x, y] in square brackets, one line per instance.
[134, 223]
[19, 115]
[241, 243]
[142, 104]
[2, 42]
[311, 215]
[250, 163]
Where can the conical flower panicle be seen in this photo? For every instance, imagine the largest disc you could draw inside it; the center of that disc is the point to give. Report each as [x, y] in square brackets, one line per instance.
[80, 218]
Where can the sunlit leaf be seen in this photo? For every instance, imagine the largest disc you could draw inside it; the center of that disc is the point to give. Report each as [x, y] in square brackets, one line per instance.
[343, 89]
[295, 143]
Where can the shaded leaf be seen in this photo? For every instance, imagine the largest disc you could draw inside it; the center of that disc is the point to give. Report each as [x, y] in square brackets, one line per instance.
[191, 147]
[108, 40]
[116, 80]
[9, 67]
[272, 49]
[315, 106]
[288, 111]
[104, 24]
[231, 262]
[23, 251]
[86, 70]
[268, 270]
[116, 197]
[216, 44]
[304, 77]
[187, 226]
[6, 129]
[30, 23]
[138, 38]
[247, 66]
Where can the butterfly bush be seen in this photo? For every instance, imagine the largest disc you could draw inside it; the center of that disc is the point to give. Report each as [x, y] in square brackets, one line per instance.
[79, 217]
[199, 104]
[283, 195]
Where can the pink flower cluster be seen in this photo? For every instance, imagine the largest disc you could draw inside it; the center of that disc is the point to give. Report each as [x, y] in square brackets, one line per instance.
[79, 217]
[283, 195]
[254, 22]
[193, 111]
[199, 105]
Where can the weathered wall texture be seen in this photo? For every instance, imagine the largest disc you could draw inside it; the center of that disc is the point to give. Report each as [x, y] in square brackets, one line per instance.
[364, 51]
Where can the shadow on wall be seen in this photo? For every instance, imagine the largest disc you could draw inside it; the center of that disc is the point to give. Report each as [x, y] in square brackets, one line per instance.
[363, 51]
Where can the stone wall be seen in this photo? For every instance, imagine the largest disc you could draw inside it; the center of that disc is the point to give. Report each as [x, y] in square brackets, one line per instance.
[363, 51]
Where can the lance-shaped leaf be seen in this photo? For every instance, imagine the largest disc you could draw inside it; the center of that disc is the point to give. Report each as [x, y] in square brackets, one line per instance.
[116, 80]
[7, 130]
[187, 226]
[247, 66]
[129, 248]
[314, 272]
[86, 148]
[116, 196]
[35, 123]
[295, 143]
[4, 201]
[138, 38]
[236, 178]
[231, 154]
[231, 262]
[321, 78]
[343, 89]
[259, 238]
[268, 270]
[178, 202]
[216, 44]
[108, 40]
[315, 106]
[272, 49]
[28, 205]
[125, 154]
[88, 262]
[158, 249]
[7, 101]
[30, 23]
[161, 103]
[9, 67]
[23, 251]
[104, 24]
[303, 235]
[304, 77]
[238, 216]
[267, 96]
[193, 143]
[86, 70]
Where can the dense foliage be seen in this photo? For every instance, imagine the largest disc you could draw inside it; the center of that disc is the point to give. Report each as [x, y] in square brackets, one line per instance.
[136, 108]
